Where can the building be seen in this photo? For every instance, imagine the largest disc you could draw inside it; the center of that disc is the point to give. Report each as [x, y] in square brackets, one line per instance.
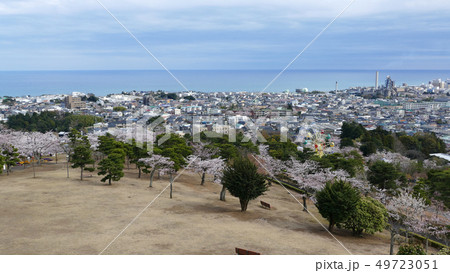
[74, 103]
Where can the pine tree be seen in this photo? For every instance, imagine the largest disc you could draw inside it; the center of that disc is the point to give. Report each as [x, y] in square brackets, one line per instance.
[112, 166]
[10, 156]
[82, 153]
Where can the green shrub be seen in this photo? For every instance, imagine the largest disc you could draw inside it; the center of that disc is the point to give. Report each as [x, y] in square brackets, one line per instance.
[411, 250]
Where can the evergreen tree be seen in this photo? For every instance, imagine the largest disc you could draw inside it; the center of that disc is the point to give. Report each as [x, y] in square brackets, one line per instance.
[112, 166]
[337, 201]
[82, 153]
[2, 162]
[10, 156]
[107, 143]
[383, 175]
[242, 180]
[136, 153]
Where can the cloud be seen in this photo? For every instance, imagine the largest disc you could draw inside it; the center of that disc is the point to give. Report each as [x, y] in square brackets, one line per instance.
[217, 34]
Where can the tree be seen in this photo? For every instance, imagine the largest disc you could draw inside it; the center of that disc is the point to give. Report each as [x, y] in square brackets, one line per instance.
[310, 177]
[202, 162]
[438, 182]
[175, 148]
[383, 175]
[112, 166]
[242, 180]
[36, 144]
[107, 143]
[189, 97]
[352, 163]
[82, 153]
[154, 163]
[9, 156]
[172, 96]
[92, 98]
[2, 162]
[337, 202]
[369, 217]
[402, 209]
[205, 166]
[136, 153]
[50, 121]
[282, 150]
[368, 148]
[273, 165]
[347, 142]
[352, 130]
[119, 109]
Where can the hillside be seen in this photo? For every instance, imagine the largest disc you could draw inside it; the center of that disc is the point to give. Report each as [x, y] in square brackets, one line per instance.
[52, 214]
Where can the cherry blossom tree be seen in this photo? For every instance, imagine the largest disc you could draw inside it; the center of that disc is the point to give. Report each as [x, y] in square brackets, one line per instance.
[202, 150]
[403, 210]
[310, 177]
[154, 163]
[431, 222]
[205, 166]
[274, 166]
[36, 144]
[217, 172]
[405, 164]
[93, 138]
[429, 164]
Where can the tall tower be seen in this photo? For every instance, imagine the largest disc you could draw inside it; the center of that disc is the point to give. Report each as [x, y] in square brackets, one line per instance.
[336, 86]
[376, 80]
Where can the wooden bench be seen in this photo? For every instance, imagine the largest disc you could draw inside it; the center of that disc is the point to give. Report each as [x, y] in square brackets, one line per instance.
[265, 205]
[240, 251]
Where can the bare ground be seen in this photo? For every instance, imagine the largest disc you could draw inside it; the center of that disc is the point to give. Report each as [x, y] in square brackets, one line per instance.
[52, 214]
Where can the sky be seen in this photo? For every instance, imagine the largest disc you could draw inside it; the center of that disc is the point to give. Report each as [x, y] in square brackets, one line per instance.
[222, 35]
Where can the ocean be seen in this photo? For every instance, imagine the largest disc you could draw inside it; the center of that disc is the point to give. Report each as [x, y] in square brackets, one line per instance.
[21, 83]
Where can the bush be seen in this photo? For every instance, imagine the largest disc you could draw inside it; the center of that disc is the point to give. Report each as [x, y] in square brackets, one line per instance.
[369, 217]
[444, 251]
[411, 250]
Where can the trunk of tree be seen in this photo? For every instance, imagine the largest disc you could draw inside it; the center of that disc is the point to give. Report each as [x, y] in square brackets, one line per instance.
[331, 224]
[171, 182]
[81, 174]
[128, 163]
[151, 178]
[222, 193]
[56, 158]
[7, 170]
[203, 178]
[110, 181]
[139, 168]
[34, 172]
[391, 248]
[159, 175]
[244, 204]
[305, 207]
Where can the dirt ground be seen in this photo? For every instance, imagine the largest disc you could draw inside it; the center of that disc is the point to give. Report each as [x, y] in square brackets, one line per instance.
[53, 214]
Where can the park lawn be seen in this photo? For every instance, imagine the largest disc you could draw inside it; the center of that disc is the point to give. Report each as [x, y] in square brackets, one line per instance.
[53, 214]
